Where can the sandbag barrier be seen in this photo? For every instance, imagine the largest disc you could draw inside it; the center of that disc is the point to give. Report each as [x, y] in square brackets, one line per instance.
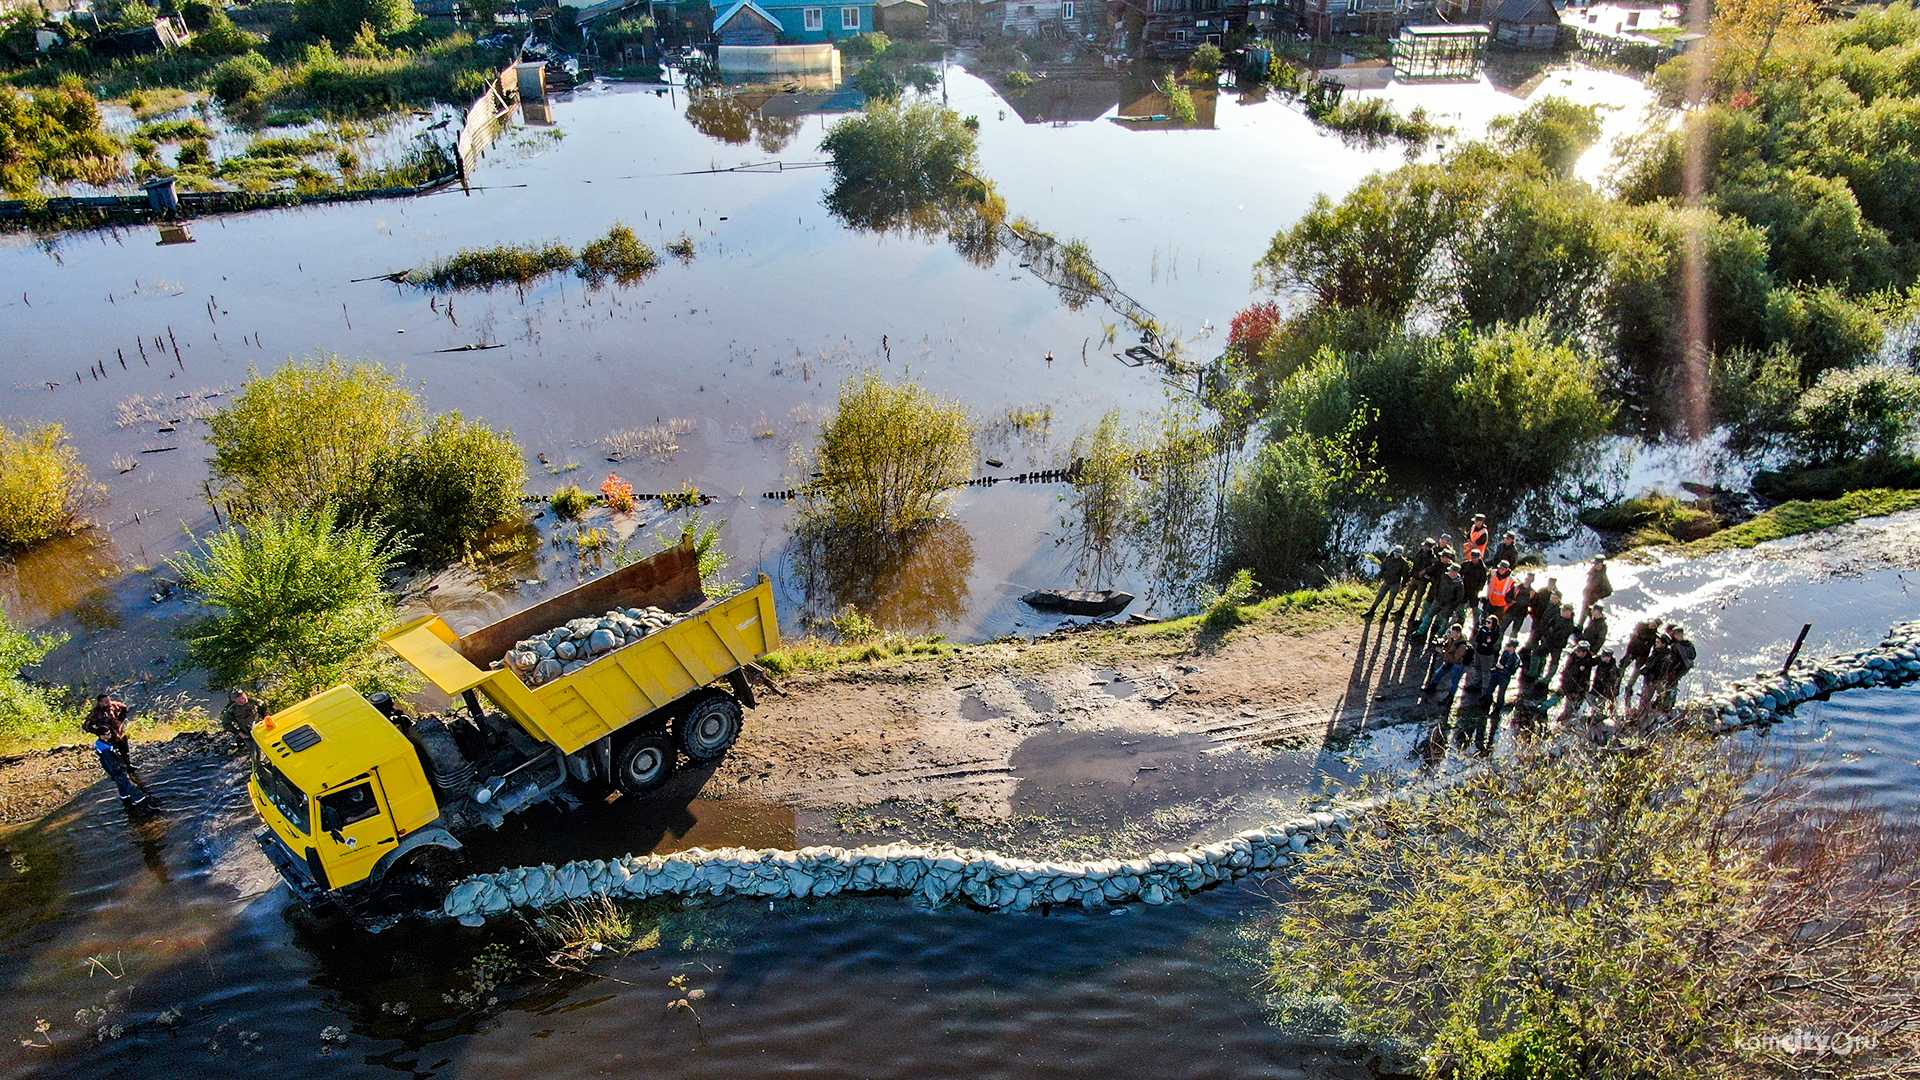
[939, 876]
[932, 877]
[1894, 661]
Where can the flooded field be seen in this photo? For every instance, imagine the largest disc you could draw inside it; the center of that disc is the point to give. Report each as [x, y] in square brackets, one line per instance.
[716, 367]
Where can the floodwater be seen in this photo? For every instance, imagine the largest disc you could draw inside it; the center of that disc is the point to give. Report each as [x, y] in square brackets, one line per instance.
[717, 368]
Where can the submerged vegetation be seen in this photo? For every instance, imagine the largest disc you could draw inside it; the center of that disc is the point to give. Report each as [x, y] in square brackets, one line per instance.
[912, 168]
[353, 440]
[54, 135]
[44, 486]
[618, 256]
[502, 264]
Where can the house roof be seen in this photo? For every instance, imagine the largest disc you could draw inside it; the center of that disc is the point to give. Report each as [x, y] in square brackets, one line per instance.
[1526, 11]
[897, 3]
[738, 6]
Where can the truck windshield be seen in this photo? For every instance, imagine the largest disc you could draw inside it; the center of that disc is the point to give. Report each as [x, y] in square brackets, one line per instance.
[281, 792]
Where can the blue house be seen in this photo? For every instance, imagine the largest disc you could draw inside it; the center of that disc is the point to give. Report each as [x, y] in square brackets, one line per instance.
[774, 22]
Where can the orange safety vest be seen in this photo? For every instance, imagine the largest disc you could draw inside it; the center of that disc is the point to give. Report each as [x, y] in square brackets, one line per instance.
[1498, 589]
[1477, 538]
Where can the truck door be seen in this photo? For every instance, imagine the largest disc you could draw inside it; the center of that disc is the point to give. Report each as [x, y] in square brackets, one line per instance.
[355, 829]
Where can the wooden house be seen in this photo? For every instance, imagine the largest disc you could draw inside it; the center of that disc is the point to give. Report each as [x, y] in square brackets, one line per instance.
[1532, 25]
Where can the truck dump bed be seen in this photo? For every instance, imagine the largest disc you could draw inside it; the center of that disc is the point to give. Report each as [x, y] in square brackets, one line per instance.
[713, 638]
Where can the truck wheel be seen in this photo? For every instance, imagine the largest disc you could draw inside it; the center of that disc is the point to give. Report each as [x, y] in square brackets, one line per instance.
[709, 729]
[643, 764]
[420, 883]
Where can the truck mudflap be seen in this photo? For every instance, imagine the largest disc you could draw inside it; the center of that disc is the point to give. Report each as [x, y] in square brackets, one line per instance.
[294, 870]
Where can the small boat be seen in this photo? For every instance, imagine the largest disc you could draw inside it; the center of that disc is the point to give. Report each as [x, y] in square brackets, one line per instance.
[1079, 602]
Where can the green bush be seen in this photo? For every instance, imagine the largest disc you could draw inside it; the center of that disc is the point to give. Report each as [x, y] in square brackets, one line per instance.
[866, 45]
[618, 256]
[570, 502]
[1373, 122]
[1289, 511]
[1206, 60]
[54, 135]
[353, 439]
[242, 78]
[1553, 130]
[296, 606]
[877, 82]
[28, 712]
[1857, 413]
[1517, 406]
[483, 268]
[43, 485]
[449, 483]
[896, 166]
[341, 20]
[888, 455]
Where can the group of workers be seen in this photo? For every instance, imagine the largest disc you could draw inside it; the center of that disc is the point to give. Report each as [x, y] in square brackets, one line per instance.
[1469, 609]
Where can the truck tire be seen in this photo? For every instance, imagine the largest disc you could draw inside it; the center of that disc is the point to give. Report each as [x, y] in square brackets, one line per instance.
[708, 729]
[420, 883]
[643, 764]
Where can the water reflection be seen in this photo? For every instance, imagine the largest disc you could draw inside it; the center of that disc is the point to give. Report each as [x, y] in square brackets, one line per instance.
[909, 582]
[765, 116]
[53, 578]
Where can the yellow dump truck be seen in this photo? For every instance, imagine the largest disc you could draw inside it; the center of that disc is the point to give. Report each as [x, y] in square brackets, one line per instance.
[365, 805]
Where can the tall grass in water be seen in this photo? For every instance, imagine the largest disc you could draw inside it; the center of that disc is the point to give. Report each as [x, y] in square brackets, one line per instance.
[888, 455]
[483, 268]
[43, 485]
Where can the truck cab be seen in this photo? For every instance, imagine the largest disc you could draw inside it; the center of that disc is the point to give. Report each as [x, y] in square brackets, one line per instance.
[341, 791]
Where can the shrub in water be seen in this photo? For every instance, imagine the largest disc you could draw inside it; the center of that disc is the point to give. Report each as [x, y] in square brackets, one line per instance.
[245, 76]
[888, 455]
[619, 256]
[1857, 413]
[54, 135]
[352, 438]
[43, 485]
[295, 603]
[454, 472]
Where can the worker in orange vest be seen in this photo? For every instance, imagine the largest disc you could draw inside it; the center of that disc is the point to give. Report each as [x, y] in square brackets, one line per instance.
[1500, 591]
[1479, 536]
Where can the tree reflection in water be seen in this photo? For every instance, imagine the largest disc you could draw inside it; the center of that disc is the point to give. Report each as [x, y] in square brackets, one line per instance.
[737, 117]
[909, 582]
